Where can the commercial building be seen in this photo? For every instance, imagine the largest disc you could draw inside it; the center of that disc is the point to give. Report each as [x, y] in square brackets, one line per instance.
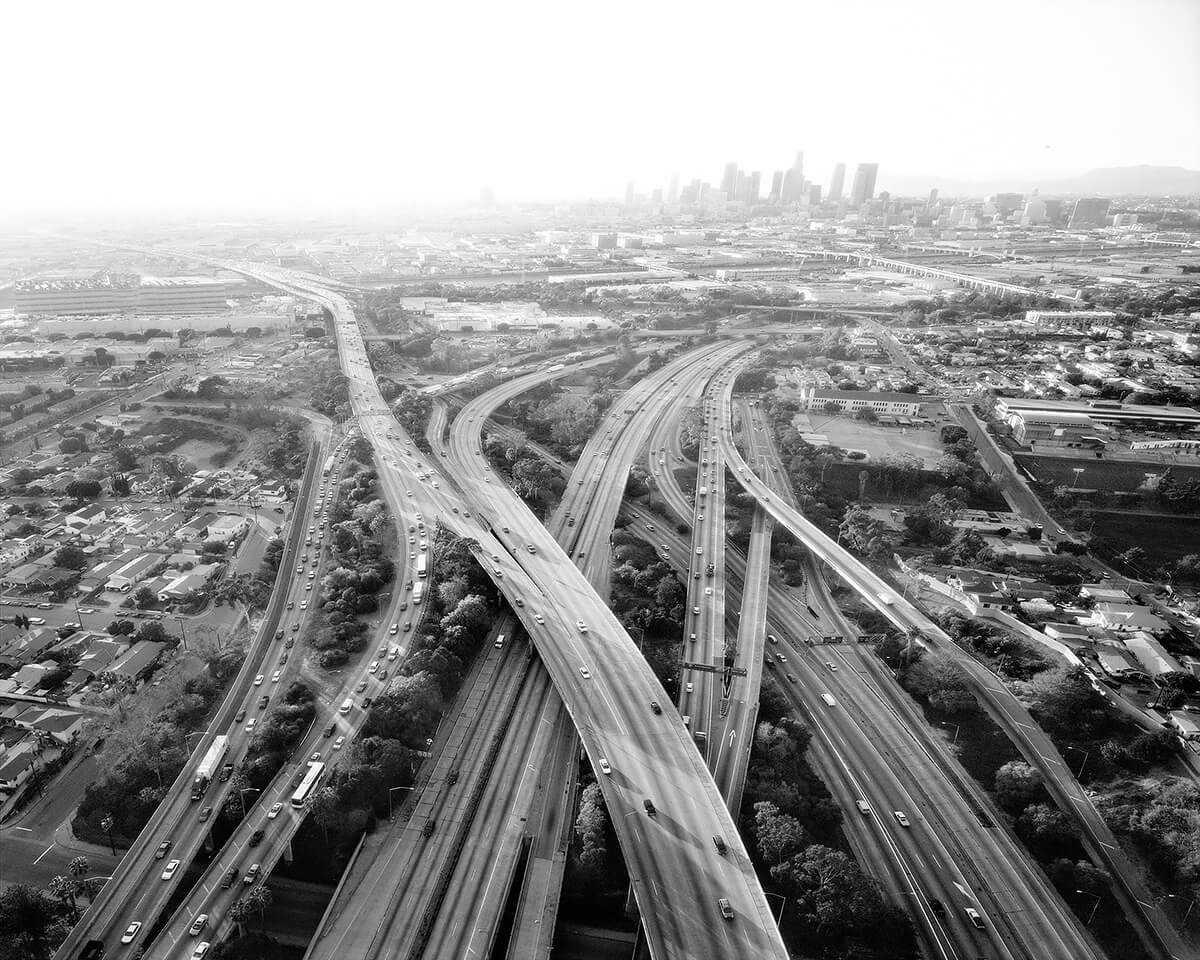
[1089, 212]
[898, 404]
[838, 183]
[864, 183]
[793, 182]
[1111, 412]
[106, 293]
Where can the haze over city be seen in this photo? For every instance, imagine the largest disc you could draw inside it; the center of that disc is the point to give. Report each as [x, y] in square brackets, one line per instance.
[152, 108]
[654, 481]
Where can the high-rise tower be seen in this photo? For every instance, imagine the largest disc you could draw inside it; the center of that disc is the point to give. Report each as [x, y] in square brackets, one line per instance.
[838, 183]
[864, 183]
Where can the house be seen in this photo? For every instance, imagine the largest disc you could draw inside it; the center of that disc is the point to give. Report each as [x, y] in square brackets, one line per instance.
[17, 551]
[138, 662]
[100, 655]
[134, 573]
[1128, 617]
[63, 725]
[1119, 664]
[227, 527]
[15, 770]
[86, 516]
[1186, 724]
[1151, 654]
[30, 675]
[1102, 594]
[196, 528]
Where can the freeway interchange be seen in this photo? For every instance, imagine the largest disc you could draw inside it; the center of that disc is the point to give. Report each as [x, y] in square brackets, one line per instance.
[672, 786]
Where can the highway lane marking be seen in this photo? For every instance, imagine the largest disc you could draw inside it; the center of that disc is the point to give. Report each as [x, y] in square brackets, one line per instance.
[44, 852]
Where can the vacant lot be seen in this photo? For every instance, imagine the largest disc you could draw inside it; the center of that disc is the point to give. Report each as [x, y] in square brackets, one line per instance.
[881, 442]
[1163, 537]
[1108, 475]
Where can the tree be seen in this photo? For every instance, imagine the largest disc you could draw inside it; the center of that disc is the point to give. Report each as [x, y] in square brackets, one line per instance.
[71, 557]
[240, 912]
[940, 679]
[779, 836]
[1018, 785]
[83, 489]
[864, 534]
[154, 632]
[63, 889]
[325, 807]
[866, 415]
[260, 899]
[70, 445]
[26, 915]
[121, 628]
[590, 827]
[144, 597]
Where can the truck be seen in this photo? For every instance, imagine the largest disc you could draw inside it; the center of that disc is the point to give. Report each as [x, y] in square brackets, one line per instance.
[422, 565]
[418, 592]
[208, 766]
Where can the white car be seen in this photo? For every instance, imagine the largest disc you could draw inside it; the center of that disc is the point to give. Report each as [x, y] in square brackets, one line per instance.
[172, 866]
[539, 618]
[274, 811]
[708, 591]
[303, 604]
[275, 676]
[585, 673]
[690, 687]
[258, 680]
[337, 744]
[604, 767]
[197, 925]
[699, 551]
[901, 818]
[131, 931]
[581, 625]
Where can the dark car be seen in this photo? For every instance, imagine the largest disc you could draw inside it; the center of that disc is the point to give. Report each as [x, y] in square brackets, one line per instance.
[719, 843]
[655, 707]
[205, 814]
[162, 849]
[256, 838]
[329, 730]
[938, 908]
[228, 880]
[263, 701]
[649, 805]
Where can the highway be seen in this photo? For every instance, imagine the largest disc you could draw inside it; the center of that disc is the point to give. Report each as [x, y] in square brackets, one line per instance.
[607, 688]
[1033, 743]
[136, 891]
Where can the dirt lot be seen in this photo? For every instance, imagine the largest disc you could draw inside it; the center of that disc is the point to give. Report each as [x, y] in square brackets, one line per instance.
[879, 441]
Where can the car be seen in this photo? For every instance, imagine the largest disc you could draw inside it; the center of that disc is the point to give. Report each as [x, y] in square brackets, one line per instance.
[531, 548]
[605, 768]
[863, 807]
[649, 526]
[201, 950]
[392, 654]
[771, 638]
[782, 658]
[901, 818]
[974, 917]
[251, 874]
[539, 618]
[131, 931]
[239, 716]
[250, 724]
[172, 866]
[205, 814]
[258, 680]
[299, 568]
[303, 604]
[373, 667]
[699, 551]
[708, 591]
[275, 676]
[581, 626]
[329, 730]
[585, 673]
[695, 611]
[295, 628]
[86, 610]
[408, 626]
[831, 665]
[792, 678]
[690, 686]
[719, 843]
[291, 642]
[654, 707]
[263, 701]
[699, 516]
[315, 757]
[938, 908]
[162, 849]
[256, 837]
[725, 907]
[691, 638]
[649, 805]
[308, 586]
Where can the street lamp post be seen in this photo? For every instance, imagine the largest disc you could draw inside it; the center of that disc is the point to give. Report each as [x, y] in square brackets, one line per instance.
[1095, 905]
[242, 798]
[182, 632]
[1086, 754]
[946, 723]
[107, 825]
[782, 904]
[1187, 913]
[391, 811]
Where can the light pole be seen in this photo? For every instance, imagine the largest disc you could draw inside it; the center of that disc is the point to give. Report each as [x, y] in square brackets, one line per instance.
[182, 632]
[1077, 471]
[1086, 754]
[1187, 913]
[947, 723]
[391, 811]
[1095, 905]
[242, 798]
[194, 733]
[107, 825]
[782, 904]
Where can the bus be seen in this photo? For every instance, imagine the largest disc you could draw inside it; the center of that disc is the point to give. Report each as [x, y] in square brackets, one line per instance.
[422, 565]
[418, 592]
[308, 784]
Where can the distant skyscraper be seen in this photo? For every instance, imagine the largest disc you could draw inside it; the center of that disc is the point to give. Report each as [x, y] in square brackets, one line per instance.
[793, 181]
[729, 180]
[776, 186]
[1034, 213]
[629, 194]
[864, 183]
[837, 183]
[673, 189]
[814, 195]
[933, 195]
[755, 186]
[1089, 212]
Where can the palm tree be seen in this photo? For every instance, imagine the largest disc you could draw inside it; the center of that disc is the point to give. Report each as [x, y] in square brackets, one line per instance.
[78, 868]
[240, 912]
[259, 899]
[63, 888]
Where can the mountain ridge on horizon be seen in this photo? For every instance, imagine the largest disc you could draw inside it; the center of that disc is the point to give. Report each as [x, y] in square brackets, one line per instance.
[1137, 180]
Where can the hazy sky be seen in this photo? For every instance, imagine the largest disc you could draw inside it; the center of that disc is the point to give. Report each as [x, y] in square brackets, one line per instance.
[123, 105]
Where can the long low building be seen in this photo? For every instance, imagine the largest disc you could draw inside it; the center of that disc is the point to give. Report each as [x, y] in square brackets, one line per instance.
[1099, 411]
[125, 293]
[900, 404]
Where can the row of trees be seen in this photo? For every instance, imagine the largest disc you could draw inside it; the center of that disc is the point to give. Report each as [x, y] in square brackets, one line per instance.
[649, 601]
[275, 735]
[534, 480]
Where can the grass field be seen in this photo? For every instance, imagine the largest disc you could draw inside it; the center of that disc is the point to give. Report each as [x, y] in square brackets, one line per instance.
[1163, 538]
[1108, 475]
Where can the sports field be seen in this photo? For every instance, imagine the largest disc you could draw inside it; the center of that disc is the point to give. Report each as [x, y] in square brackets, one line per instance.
[1110, 476]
